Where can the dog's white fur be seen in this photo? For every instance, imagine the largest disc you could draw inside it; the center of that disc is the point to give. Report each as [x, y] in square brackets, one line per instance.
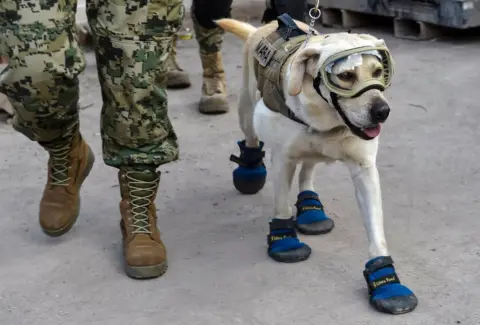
[292, 143]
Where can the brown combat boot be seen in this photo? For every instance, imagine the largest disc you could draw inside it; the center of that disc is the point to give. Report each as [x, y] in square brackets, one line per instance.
[177, 78]
[144, 251]
[214, 94]
[69, 164]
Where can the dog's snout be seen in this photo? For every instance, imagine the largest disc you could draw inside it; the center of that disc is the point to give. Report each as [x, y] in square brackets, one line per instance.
[379, 111]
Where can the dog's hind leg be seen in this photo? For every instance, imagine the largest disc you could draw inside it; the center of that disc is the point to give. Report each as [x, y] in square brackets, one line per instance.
[283, 243]
[386, 292]
[311, 218]
[246, 109]
[250, 176]
[283, 170]
[247, 102]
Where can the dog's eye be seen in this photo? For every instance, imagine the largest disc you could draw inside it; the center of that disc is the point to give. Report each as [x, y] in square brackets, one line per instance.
[346, 76]
[377, 73]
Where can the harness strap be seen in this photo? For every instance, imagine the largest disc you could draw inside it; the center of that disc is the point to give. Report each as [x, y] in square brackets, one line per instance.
[288, 28]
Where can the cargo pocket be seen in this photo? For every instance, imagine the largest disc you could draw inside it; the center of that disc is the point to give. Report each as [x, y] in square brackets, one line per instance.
[132, 76]
[165, 17]
[135, 20]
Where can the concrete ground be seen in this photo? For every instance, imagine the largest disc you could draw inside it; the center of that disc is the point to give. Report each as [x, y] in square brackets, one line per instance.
[219, 272]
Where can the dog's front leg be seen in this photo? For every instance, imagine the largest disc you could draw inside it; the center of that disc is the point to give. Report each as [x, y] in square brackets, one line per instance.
[283, 170]
[386, 292]
[311, 218]
[369, 197]
[306, 176]
[283, 243]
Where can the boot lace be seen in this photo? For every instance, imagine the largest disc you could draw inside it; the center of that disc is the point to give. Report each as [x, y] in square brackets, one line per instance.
[60, 165]
[141, 193]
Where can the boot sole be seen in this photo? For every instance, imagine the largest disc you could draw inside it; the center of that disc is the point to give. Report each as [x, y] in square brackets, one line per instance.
[216, 104]
[69, 225]
[179, 85]
[146, 272]
[178, 82]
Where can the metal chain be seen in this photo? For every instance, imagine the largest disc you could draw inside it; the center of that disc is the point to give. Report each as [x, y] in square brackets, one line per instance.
[314, 14]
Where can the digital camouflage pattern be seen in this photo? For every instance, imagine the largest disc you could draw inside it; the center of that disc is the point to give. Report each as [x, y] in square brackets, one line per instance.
[44, 60]
[133, 39]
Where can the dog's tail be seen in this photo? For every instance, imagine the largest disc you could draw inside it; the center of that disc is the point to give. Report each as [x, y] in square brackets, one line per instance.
[238, 28]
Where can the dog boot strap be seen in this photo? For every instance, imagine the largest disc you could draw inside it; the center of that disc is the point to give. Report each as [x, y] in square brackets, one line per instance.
[283, 243]
[282, 224]
[249, 157]
[308, 200]
[250, 161]
[281, 229]
[378, 264]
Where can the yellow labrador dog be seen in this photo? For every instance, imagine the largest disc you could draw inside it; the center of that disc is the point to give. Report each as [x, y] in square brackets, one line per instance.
[315, 101]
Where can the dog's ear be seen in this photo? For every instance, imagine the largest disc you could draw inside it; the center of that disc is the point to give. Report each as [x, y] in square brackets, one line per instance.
[376, 41]
[304, 59]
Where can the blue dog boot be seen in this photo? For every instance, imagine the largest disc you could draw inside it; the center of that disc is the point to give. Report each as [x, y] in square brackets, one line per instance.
[250, 175]
[386, 292]
[283, 243]
[311, 217]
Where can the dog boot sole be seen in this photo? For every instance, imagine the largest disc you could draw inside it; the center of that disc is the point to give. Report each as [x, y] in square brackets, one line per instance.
[292, 256]
[316, 228]
[396, 305]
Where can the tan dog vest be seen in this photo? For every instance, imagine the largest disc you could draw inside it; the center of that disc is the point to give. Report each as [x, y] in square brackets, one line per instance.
[271, 54]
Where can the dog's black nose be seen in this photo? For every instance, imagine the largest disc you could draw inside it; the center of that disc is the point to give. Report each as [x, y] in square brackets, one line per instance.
[379, 111]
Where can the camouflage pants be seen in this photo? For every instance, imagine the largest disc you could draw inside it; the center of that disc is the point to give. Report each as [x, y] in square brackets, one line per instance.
[132, 42]
[209, 36]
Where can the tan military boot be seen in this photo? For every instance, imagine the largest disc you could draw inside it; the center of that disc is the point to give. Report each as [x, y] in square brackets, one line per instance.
[69, 164]
[144, 251]
[214, 94]
[177, 78]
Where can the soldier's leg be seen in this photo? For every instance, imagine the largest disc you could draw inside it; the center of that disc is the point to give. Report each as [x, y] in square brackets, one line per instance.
[177, 77]
[210, 39]
[297, 9]
[41, 82]
[133, 42]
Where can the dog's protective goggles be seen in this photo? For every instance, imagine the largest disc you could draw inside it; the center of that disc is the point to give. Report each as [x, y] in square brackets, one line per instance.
[350, 59]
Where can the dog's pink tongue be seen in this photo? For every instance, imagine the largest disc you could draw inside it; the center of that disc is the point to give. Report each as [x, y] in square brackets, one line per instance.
[373, 132]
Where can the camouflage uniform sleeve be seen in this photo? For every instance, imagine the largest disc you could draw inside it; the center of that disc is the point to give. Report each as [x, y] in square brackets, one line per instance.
[44, 62]
[133, 39]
